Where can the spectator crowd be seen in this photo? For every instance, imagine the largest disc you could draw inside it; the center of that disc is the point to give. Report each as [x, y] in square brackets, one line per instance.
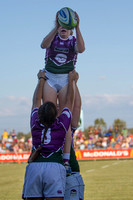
[95, 139]
[11, 143]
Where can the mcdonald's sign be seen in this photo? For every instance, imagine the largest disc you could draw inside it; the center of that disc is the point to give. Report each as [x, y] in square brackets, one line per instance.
[78, 154]
[103, 154]
[131, 153]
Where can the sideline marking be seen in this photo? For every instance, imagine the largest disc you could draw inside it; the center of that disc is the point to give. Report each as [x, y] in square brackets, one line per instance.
[116, 163]
[105, 166]
[91, 170]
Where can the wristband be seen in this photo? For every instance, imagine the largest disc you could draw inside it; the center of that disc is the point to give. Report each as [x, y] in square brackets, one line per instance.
[42, 78]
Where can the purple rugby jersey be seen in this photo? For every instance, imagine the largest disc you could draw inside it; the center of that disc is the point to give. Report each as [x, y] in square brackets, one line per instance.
[55, 135]
[62, 51]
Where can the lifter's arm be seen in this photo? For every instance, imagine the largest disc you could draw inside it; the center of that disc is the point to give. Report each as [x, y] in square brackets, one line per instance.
[37, 96]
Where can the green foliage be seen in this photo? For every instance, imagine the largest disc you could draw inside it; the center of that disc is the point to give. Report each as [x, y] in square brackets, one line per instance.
[21, 134]
[97, 123]
[130, 130]
[100, 122]
[27, 136]
[120, 124]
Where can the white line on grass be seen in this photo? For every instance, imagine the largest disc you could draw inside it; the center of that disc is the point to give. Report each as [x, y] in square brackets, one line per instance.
[91, 170]
[116, 163]
[105, 166]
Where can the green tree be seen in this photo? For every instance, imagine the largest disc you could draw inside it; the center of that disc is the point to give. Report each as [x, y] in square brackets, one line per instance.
[130, 130]
[27, 136]
[20, 134]
[120, 124]
[100, 122]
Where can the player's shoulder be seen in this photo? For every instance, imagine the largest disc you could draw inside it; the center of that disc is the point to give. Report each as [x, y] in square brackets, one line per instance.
[63, 120]
[34, 111]
[66, 112]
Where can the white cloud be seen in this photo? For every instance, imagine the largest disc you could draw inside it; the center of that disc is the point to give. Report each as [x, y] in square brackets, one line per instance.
[131, 102]
[107, 99]
[15, 111]
[12, 98]
[102, 77]
[14, 106]
[109, 107]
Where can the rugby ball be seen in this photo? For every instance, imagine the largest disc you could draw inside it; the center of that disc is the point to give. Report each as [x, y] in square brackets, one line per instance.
[67, 18]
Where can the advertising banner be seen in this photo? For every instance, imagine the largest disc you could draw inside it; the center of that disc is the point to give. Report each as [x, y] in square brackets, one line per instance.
[80, 154]
[104, 154]
[14, 157]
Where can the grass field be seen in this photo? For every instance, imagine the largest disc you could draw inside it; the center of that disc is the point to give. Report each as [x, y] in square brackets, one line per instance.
[104, 180]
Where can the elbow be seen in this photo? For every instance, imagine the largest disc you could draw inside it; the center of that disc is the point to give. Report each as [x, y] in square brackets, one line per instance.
[42, 46]
[82, 50]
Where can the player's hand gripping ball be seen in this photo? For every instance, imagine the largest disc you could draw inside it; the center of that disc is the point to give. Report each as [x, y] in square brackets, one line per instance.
[67, 18]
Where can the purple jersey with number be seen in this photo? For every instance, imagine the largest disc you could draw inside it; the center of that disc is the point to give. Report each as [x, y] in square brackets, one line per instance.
[62, 51]
[55, 135]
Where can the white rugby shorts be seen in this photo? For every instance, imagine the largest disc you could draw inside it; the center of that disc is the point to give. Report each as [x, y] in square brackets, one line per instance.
[74, 187]
[44, 179]
[56, 81]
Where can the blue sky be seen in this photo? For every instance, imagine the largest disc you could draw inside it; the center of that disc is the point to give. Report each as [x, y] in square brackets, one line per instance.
[105, 68]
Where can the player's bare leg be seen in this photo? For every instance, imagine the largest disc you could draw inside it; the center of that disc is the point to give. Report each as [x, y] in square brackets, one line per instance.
[76, 108]
[49, 94]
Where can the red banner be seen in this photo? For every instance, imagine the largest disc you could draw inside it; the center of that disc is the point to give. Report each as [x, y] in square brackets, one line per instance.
[104, 154]
[14, 157]
[80, 154]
